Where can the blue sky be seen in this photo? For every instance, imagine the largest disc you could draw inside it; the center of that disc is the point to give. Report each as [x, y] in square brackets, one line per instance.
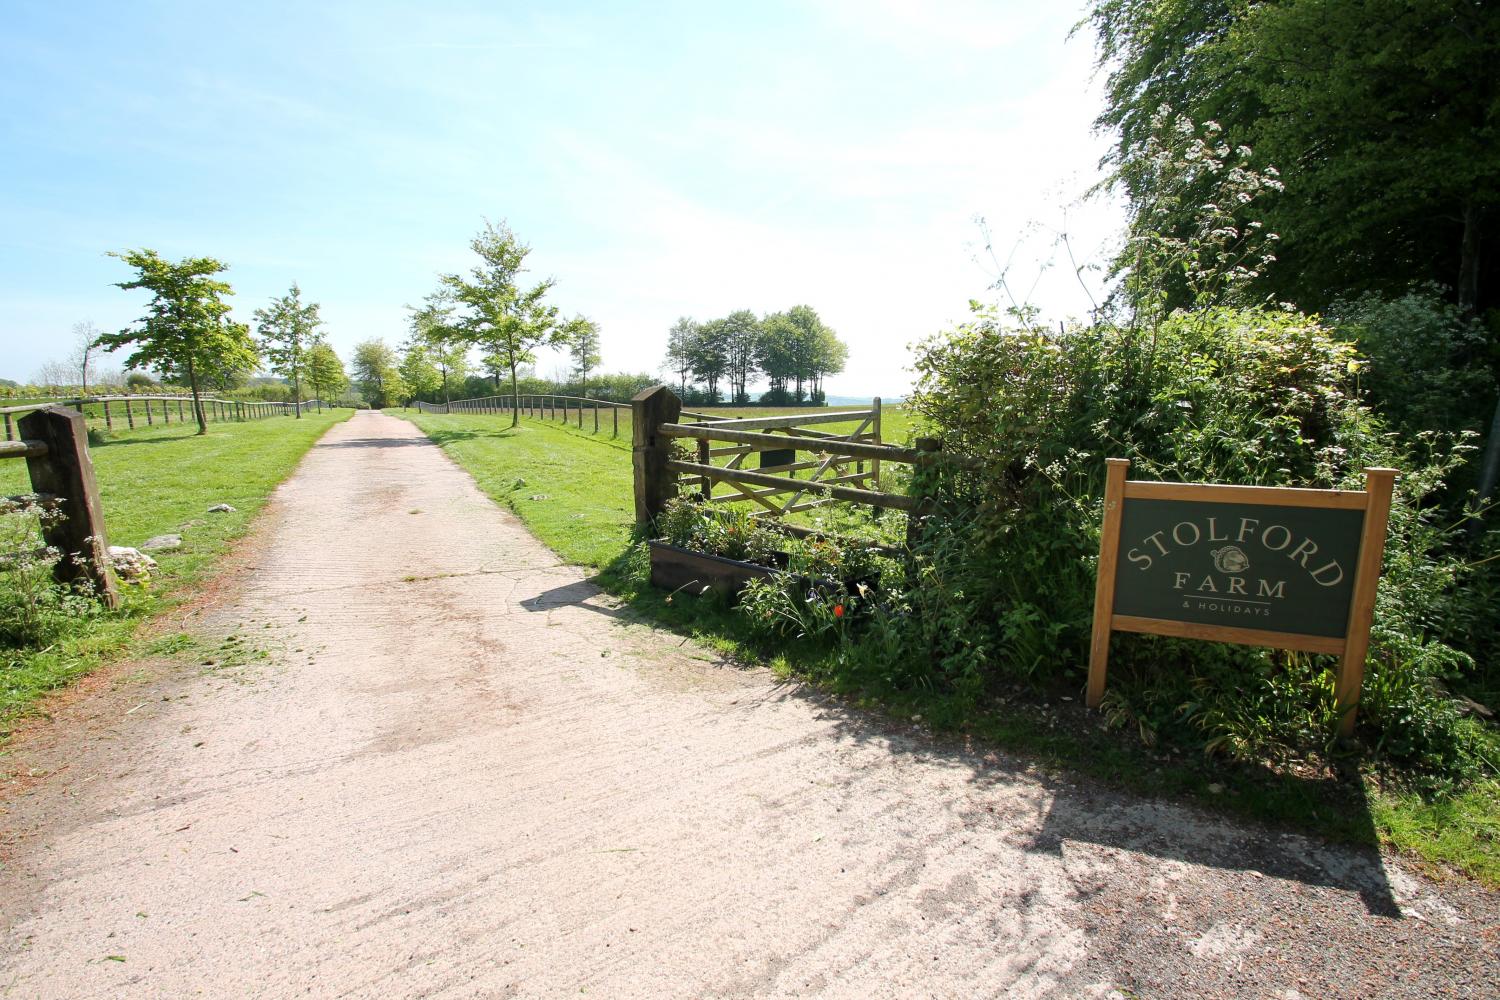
[661, 159]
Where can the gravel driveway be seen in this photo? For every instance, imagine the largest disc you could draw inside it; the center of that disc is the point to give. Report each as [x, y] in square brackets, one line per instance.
[442, 765]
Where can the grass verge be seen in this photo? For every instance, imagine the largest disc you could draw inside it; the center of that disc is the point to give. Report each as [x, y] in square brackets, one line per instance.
[574, 492]
[155, 481]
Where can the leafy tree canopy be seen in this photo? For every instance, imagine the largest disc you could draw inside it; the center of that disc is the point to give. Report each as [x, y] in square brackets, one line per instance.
[1382, 117]
[287, 328]
[186, 332]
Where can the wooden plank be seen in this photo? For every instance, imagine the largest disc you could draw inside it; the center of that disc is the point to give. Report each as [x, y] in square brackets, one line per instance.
[773, 490]
[1225, 633]
[793, 420]
[794, 508]
[1104, 582]
[25, 448]
[1351, 676]
[1284, 496]
[852, 449]
[761, 479]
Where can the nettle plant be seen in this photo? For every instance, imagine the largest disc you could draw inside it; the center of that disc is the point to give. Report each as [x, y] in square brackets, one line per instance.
[34, 609]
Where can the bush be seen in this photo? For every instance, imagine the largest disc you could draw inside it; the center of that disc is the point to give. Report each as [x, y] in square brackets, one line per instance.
[1005, 565]
[34, 610]
[1429, 365]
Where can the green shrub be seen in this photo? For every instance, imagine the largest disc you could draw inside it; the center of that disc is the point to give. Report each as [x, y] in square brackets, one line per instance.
[1005, 565]
[1429, 365]
[34, 610]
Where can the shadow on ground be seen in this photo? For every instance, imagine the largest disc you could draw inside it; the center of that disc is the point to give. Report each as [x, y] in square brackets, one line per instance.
[1089, 808]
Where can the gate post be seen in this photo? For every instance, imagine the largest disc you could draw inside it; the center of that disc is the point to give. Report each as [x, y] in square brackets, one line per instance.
[67, 472]
[655, 484]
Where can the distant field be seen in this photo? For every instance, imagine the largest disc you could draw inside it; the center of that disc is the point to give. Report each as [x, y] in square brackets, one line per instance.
[897, 425]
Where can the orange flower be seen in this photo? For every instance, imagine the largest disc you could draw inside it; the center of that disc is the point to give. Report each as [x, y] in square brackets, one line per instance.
[838, 611]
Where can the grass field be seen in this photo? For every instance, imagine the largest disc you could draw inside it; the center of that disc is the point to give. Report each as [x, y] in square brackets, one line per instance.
[574, 490]
[154, 481]
[896, 421]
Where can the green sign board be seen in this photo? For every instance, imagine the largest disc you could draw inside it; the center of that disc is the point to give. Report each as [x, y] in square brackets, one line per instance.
[776, 457]
[1253, 566]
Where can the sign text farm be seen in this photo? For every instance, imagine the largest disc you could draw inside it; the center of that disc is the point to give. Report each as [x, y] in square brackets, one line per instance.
[1266, 566]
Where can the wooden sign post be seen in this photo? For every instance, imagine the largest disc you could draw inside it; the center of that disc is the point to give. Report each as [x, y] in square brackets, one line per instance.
[1257, 565]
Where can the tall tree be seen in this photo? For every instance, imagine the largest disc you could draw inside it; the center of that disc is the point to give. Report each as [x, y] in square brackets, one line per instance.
[497, 314]
[775, 353]
[581, 335]
[741, 331]
[433, 326]
[418, 372]
[287, 328]
[376, 374]
[325, 372]
[680, 341]
[830, 354]
[186, 331]
[1379, 114]
[709, 355]
[85, 347]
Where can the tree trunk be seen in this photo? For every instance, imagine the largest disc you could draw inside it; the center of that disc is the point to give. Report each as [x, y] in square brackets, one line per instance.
[1468, 260]
[515, 410]
[1489, 472]
[197, 403]
[296, 394]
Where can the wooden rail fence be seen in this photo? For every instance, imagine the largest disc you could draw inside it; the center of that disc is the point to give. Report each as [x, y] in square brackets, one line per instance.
[843, 467]
[54, 443]
[542, 406]
[132, 409]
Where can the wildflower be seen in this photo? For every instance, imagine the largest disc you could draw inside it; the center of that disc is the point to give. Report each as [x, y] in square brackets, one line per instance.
[838, 611]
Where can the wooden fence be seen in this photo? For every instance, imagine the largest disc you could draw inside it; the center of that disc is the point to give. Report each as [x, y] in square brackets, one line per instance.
[579, 410]
[841, 467]
[147, 410]
[54, 443]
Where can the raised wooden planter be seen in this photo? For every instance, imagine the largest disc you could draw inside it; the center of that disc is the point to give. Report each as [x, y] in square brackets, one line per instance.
[675, 568]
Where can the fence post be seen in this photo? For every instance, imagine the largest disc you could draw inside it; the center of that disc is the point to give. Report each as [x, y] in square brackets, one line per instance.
[67, 472]
[146, 405]
[109, 424]
[655, 484]
[916, 515]
[616, 411]
[10, 435]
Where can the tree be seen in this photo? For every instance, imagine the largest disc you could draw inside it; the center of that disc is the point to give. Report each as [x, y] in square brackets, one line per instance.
[186, 331]
[81, 359]
[829, 356]
[287, 328]
[680, 340]
[325, 372]
[376, 374]
[433, 326]
[581, 335]
[709, 356]
[1379, 114]
[498, 315]
[421, 376]
[741, 332]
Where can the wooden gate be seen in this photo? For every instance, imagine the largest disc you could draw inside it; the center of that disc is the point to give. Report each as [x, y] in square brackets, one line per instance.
[842, 466]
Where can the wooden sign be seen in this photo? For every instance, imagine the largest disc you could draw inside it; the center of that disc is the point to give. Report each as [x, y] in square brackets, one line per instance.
[1257, 565]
